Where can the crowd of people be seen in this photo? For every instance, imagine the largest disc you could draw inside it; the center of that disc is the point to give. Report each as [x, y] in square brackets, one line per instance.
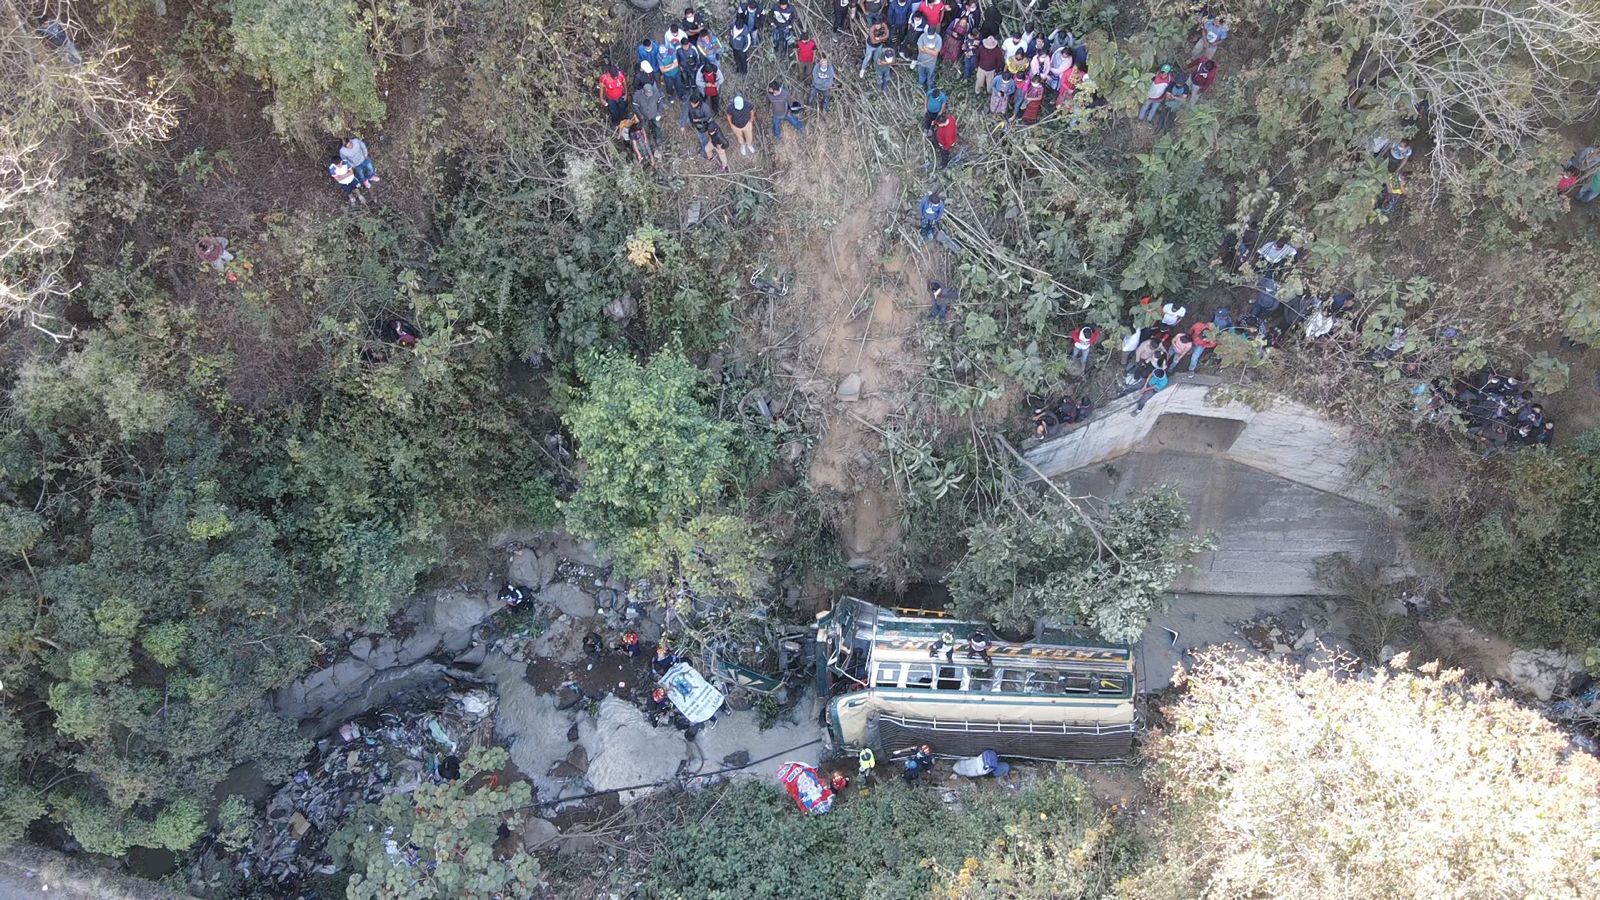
[1022, 73]
[1499, 411]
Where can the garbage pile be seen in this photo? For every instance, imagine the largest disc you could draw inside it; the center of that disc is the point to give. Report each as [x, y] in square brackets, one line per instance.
[419, 739]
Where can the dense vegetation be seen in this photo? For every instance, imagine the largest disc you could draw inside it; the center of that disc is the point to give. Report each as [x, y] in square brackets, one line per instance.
[896, 841]
[206, 475]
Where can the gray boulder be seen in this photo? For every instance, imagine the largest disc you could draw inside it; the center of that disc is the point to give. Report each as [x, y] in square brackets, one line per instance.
[570, 599]
[1545, 674]
[458, 611]
[539, 832]
[531, 569]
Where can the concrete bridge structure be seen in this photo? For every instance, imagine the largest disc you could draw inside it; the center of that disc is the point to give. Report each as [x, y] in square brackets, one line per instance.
[1279, 485]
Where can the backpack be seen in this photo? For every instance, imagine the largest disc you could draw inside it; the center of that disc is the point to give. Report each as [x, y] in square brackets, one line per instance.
[1223, 320]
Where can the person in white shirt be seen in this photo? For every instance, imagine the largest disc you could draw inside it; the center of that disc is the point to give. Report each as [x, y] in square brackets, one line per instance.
[1172, 314]
[1277, 254]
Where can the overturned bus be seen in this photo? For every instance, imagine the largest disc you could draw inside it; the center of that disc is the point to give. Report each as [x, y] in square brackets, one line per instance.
[1057, 697]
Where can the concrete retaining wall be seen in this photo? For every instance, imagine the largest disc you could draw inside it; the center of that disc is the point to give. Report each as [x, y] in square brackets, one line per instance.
[1285, 439]
[1278, 487]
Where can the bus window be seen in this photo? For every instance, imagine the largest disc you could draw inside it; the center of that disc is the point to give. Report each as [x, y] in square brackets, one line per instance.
[888, 675]
[949, 679]
[1076, 683]
[919, 675]
[1111, 684]
[1011, 681]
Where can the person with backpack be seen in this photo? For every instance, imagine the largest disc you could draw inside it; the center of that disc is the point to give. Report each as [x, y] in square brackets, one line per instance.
[741, 40]
[740, 113]
[821, 83]
[779, 98]
[614, 94]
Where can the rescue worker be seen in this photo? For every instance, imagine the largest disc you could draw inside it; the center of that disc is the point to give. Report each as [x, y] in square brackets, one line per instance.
[978, 647]
[658, 707]
[945, 643]
[866, 764]
[630, 644]
[664, 659]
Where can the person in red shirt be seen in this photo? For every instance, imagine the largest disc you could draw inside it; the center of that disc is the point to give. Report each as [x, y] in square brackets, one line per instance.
[1204, 73]
[944, 137]
[805, 52]
[614, 94]
[932, 13]
[1204, 336]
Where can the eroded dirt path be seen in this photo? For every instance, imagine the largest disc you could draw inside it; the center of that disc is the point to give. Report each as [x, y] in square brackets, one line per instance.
[858, 296]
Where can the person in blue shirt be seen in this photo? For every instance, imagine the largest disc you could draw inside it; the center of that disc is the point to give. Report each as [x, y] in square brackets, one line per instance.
[932, 210]
[1154, 383]
[667, 67]
[936, 101]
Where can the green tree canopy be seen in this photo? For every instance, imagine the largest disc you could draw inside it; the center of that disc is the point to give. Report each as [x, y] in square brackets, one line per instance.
[313, 55]
[653, 450]
[439, 842]
[1046, 557]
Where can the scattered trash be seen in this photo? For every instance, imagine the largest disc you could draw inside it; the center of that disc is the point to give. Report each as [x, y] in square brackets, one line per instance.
[363, 762]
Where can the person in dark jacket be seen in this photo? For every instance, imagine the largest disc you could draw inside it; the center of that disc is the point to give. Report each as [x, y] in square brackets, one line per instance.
[741, 40]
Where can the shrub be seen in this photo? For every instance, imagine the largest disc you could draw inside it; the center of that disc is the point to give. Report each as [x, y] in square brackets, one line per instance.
[749, 842]
[1292, 784]
[313, 55]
